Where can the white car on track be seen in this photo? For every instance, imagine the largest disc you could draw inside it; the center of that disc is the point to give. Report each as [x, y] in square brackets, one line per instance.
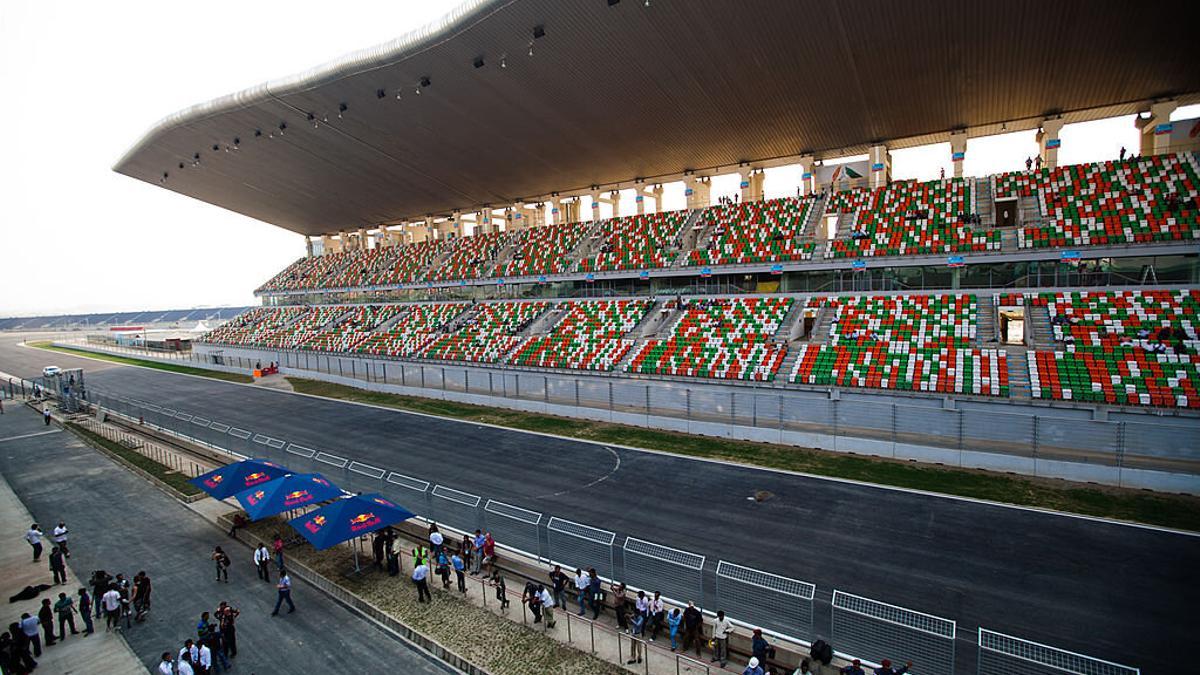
[51, 371]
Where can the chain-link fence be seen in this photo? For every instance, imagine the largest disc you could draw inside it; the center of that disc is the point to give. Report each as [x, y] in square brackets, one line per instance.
[861, 627]
[876, 630]
[1001, 654]
[653, 567]
[570, 542]
[770, 601]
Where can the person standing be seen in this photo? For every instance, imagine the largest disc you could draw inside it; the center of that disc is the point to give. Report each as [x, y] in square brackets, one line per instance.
[420, 578]
[59, 536]
[190, 652]
[533, 599]
[547, 602]
[34, 537]
[497, 581]
[222, 562]
[420, 555]
[227, 620]
[65, 609]
[285, 593]
[111, 600]
[886, 668]
[722, 629]
[637, 625]
[277, 547]
[57, 566]
[467, 550]
[480, 542]
[558, 582]
[435, 539]
[693, 622]
[658, 614]
[46, 415]
[46, 619]
[141, 595]
[853, 668]
[674, 620]
[581, 588]
[185, 664]
[206, 660]
[620, 605]
[29, 628]
[99, 582]
[761, 648]
[641, 608]
[595, 593]
[165, 666]
[262, 562]
[22, 659]
[85, 611]
[489, 552]
[460, 567]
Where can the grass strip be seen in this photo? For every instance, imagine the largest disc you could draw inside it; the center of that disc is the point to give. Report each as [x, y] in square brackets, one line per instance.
[1142, 506]
[177, 481]
[145, 363]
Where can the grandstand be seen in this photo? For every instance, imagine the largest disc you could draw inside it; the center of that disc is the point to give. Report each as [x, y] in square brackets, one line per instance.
[465, 193]
[157, 318]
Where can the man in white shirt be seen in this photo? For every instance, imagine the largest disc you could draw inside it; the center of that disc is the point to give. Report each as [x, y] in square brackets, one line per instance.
[60, 538]
[205, 658]
[420, 577]
[34, 537]
[112, 608]
[722, 629]
[435, 542]
[582, 581]
[656, 615]
[547, 599]
[189, 652]
[166, 667]
[262, 561]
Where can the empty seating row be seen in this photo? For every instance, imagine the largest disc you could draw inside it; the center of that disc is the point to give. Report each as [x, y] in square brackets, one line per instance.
[909, 218]
[468, 258]
[727, 338]
[903, 367]
[749, 232]
[352, 330]
[634, 242]
[922, 321]
[1151, 198]
[591, 336]
[542, 250]
[486, 336]
[418, 327]
[1126, 377]
[252, 327]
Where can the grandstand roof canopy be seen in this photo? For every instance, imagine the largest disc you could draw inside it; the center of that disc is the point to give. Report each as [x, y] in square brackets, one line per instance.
[625, 90]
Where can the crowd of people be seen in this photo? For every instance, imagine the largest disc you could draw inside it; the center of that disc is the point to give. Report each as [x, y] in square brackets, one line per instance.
[474, 555]
[210, 652]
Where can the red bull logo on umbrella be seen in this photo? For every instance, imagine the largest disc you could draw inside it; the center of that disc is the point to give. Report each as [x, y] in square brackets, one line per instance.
[363, 521]
[255, 478]
[256, 497]
[381, 500]
[213, 481]
[315, 524]
[297, 498]
[321, 481]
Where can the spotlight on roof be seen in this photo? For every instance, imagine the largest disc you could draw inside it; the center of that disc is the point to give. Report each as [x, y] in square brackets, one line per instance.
[282, 127]
[342, 107]
[379, 93]
[258, 133]
[531, 47]
[216, 147]
[237, 140]
[539, 32]
[478, 63]
[425, 81]
[181, 165]
[313, 118]
[503, 62]
[613, 2]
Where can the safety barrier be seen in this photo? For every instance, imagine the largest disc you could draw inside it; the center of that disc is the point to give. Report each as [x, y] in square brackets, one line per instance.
[586, 546]
[456, 508]
[1001, 654]
[771, 601]
[653, 567]
[876, 630]
[515, 526]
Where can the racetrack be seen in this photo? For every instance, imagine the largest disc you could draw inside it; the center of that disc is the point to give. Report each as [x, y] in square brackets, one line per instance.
[1119, 592]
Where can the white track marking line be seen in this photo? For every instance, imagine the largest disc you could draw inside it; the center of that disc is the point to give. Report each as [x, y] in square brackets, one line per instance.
[39, 433]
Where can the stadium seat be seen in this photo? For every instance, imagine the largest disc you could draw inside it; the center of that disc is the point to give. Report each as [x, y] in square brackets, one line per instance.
[469, 257]
[488, 336]
[542, 250]
[413, 331]
[726, 338]
[909, 218]
[591, 336]
[749, 232]
[634, 242]
[1151, 198]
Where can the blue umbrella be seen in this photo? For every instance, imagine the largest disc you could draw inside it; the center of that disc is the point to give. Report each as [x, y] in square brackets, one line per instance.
[348, 518]
[289, 492]
[231, 479]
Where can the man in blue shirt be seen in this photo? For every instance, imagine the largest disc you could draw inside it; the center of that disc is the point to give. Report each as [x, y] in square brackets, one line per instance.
[477, 561]
[460, 567]
[285, 593]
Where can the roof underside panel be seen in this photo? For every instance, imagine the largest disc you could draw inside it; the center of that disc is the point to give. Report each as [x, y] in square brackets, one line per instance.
[613, 93]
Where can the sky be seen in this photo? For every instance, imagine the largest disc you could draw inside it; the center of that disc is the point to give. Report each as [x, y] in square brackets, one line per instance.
[83, 81]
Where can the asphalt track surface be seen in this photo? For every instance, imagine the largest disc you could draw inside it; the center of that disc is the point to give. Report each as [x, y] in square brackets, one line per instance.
[1119, 592]
[121, 524]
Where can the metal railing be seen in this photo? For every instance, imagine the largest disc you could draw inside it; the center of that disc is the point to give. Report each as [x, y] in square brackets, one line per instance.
[863, 627]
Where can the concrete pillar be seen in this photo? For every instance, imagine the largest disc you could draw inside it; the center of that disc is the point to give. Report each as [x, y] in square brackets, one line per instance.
[1156, 129]
[326, 244]
[807, 175]
[556, 210]
[448, 228]
[308, 246]
[430, 229]
[658, 197]
[639, 200]
[362, 239]
[614, 198]
[881, 166]
[483, 222]
[698, 192]
[751, 184]
[1048, 141]
[516, 217]
[958, 151]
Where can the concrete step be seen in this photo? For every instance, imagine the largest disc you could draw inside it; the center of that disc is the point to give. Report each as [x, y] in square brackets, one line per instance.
[546, 322]
[786, 332]
[1018, 372]
[820, 334]
[620, 366]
